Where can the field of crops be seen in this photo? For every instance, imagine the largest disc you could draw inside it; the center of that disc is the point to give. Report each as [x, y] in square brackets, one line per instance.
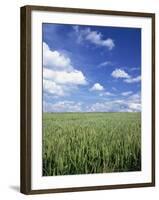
[83, 143]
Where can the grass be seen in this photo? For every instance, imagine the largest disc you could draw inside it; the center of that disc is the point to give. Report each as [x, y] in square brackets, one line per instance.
[83, 143]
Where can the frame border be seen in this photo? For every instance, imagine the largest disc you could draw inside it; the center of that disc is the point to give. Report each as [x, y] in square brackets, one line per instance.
[25, 96]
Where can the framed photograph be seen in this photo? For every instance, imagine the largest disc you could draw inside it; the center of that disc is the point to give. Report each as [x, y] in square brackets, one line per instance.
[87, 99]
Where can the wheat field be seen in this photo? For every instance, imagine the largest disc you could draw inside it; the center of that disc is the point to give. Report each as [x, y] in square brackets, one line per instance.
[84, 143]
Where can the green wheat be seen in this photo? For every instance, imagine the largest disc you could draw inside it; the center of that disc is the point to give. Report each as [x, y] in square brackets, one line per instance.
[83, 143]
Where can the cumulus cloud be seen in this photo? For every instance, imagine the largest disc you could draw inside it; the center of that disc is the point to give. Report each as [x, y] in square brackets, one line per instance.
[135, 107]
[135, 69]
[54, 59]
[119, 73]
[114, 89]
[134, 102]
[129, 104]
[59, 75]
[53, 88]
[97, 87]
[106, 94]
[133, 80]
[62, 106]
[106, 63]
[126, 93]
[63, 77]
[135, 97]
[94, 37]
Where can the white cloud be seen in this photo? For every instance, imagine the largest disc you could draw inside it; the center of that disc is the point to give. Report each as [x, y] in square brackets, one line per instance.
[133, 80]
[136, 107]
[51, 87]
[106, 63]
[130, 104]
[106, 94]
[54, 59]
[74, 77]
[135, 68]
[134, 102]
[135, 97]
[59, 75]
[119, 73]
[126, 93]
[99, 107]
[62, 106]
[93, 37]
[97, 87]
[114, 88]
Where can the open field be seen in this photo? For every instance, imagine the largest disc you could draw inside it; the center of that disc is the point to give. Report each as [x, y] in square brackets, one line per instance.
[82, 143]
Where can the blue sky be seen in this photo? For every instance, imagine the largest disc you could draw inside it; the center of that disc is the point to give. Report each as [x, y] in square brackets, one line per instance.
[91, 68]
